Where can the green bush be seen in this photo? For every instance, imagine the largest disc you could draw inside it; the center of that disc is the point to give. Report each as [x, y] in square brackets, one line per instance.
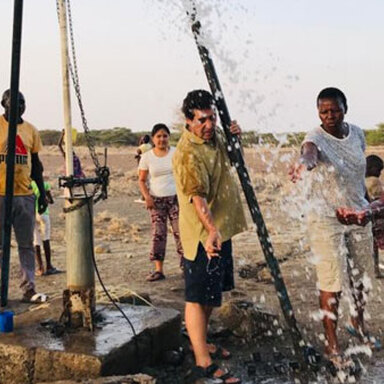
[121, 136]
[50, 136]
[375, 136]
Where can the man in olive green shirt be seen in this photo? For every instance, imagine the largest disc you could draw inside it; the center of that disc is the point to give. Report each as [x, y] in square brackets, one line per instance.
[210, 215]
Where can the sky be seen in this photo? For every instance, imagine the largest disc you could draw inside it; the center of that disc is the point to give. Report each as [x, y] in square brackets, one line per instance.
[137, 60]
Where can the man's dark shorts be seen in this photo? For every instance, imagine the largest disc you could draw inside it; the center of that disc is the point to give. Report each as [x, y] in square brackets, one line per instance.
[205, 279]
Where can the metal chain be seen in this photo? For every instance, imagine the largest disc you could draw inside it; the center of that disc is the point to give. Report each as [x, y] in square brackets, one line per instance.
[76, 83]
[73, 69]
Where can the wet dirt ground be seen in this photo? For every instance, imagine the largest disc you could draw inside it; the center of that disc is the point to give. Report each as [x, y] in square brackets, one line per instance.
[122, 239]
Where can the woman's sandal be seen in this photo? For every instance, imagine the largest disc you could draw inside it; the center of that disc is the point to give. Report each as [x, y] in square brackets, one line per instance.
[343, 367]
[339, 361]
[367, 339]
[211, 372]
[155, 276]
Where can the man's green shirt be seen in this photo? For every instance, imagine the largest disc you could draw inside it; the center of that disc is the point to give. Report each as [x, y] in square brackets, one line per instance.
[202, 168]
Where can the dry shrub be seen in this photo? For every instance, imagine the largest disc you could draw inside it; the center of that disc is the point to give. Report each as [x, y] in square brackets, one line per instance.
[267, 183]
[135, 229]
[117, 173]
[98, 232]
[121, 186]
[134, 232]
[132, 175]
[102, 248]
[50, 150]
[103, 216]
[117, 226]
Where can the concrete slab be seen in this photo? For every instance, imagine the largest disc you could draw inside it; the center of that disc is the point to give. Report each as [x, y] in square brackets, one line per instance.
[33, 354]
[129, 379]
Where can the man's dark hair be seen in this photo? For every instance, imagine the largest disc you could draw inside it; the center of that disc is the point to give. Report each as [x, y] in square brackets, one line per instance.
[332, 93]
[374, 165]
[5, 99]
[158, 127]
[197, 99]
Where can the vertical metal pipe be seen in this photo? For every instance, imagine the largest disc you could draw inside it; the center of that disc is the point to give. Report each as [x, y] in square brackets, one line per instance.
[79, 298]
[12, 127]
[66, 89]
[80, 273]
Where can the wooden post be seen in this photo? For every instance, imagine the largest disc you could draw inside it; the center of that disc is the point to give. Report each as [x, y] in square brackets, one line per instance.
[66, 89]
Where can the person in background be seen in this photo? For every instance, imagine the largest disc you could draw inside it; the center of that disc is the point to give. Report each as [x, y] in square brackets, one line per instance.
[155, 167]
[373, 184]
[144, 146]
[374, 191]
[334, 153]
[77, 169]
[43, 233]
[27, 168]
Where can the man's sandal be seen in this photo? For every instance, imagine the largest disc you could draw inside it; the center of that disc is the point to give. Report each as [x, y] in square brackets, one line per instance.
[212, 372]
[220, 353]
[369, 340]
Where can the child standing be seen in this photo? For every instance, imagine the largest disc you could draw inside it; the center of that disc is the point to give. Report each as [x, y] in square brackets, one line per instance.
[144, 146]
[43, 232]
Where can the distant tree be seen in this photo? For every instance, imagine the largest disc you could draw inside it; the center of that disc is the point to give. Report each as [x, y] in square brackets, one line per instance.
[375, 136]
[295, 139]
[50, 136]
[115, 137]
[179, 121]
[122, 136]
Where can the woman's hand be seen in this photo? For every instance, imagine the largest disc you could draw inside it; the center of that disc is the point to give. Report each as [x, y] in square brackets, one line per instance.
[349, 216]
[149, 202]
[295, 171]
[308, 160]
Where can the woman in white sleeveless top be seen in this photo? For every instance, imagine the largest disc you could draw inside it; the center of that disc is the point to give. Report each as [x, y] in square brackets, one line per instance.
[155, 169]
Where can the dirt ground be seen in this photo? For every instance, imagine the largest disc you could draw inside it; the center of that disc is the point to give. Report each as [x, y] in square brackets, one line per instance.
[122, 236]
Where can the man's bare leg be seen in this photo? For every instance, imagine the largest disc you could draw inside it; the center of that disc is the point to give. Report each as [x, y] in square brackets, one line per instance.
[212, 348]
[196, 321]
[329, 303]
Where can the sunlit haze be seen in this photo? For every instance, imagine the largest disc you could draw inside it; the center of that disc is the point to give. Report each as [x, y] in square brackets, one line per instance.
[137, 59]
